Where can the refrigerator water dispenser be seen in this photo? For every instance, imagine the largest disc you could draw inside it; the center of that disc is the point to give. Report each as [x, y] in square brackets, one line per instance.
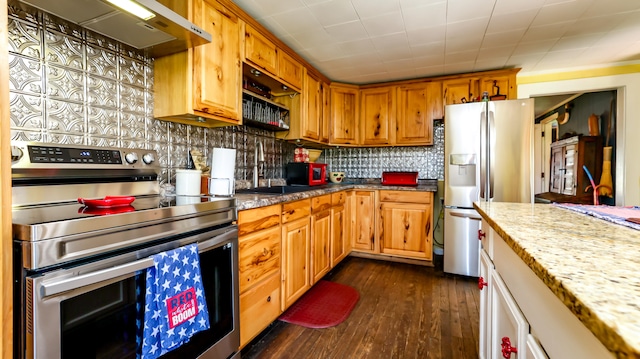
[462, 170]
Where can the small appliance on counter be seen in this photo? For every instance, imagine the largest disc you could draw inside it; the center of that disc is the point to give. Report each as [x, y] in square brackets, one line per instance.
[308, 174]
[399, 178]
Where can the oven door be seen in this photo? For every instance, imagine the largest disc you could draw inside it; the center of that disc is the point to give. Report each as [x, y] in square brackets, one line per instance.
[90, 311]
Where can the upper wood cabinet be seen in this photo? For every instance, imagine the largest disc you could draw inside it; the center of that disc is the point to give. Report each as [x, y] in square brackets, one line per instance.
[499, 85]
[418, 105]
[202, 86]
[311, 121]
[460, 90]
[259, 50]
[262, 53]
[290, 70]
[377, 116]
[343, 128]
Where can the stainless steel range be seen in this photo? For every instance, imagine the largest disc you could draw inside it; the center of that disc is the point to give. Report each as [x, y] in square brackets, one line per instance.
[79, 268]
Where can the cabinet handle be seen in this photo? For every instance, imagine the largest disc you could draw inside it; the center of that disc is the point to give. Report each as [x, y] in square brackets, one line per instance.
[481, 235]
[482, 283]
[507, 349]
[269, 299]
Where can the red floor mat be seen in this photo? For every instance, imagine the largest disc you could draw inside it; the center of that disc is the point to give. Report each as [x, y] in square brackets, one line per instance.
[326, 304]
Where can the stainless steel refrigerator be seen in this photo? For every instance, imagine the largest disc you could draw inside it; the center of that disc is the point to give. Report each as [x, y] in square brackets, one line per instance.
[488, 148]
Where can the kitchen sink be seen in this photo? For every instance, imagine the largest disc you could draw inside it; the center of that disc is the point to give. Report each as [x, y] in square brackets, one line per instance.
[275, 190]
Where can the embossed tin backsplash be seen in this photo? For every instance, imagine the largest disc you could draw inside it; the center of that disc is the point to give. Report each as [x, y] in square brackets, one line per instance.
[371, 162]
[69, 85]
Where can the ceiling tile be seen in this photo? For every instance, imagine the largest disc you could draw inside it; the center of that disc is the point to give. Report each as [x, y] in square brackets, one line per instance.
[511, 6]
[470, 28]
[559, 12]
[576, 42]
[427, 36]
[390, 42]
[533, 47]
[552, 31]
[297, 20]
[334, 12]
[375, 8]
[362, 46]
[599, 8]
[511, 21]
[266, 8]
[503, 38]
[347, 32]
[398, 53]
[431, 49]
[462, 10]
[384, 24]
[426, 16]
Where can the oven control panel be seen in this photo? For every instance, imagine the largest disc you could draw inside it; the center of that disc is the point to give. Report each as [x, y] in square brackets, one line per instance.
[47, 155]
[55, 154]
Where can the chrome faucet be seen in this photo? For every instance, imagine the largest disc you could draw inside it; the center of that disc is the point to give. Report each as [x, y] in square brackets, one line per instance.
[259, 159]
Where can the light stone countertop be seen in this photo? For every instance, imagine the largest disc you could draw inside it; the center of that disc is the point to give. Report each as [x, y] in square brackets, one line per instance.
[250, 201]
[591, 265]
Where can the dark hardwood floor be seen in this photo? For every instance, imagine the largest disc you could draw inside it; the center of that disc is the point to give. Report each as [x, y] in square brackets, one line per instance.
[404, 311]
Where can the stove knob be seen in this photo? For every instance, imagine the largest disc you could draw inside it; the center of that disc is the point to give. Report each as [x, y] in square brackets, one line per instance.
[16, 153]
[131, 157]
[148, 158]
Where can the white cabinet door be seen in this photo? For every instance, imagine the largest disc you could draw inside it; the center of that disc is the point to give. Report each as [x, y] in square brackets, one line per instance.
[534, 350]
[509, 327]
[485, 235]
[484, 284]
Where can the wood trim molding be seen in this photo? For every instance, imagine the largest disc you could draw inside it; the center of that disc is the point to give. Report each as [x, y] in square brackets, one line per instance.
[6, 298]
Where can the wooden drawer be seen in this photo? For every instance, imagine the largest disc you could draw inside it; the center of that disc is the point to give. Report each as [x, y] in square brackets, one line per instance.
[259, 256]
[257, 219]
[338, 198]
[295, 210]
[259, 307]
[320, 203]
[406, 196]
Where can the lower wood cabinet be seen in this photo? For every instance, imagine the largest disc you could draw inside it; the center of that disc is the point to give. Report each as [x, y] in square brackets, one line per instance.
[259, 257]
[320, 237]
[339, 239]
[296, 250]
[363, 220]
[259, 307]
[405, 224]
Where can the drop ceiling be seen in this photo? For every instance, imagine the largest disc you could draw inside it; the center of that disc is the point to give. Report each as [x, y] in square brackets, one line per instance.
[368, 41]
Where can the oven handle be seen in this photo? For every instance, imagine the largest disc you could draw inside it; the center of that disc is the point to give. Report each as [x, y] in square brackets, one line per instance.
[67, 284]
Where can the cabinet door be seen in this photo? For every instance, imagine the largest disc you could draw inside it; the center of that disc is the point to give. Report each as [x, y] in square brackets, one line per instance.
[296, 241]
[459, 90]
[311, 121]
[320, 245]
[417, 105]
[290, 70]
[509, 328]
[259, 50]
[557, 169]
[494, 84]
[338, 235]
[259, 256]
[534, 350]
[406, 229]
[364, 220]
[344, 112]
[377, 115]
[569, 180]
[326, 99]
[484, 285]
[217, 66]
[259, 306]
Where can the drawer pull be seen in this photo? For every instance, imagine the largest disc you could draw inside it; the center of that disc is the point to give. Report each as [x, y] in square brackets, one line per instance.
[482, 283]
[481, 235]
[507, 349]
[269, 299]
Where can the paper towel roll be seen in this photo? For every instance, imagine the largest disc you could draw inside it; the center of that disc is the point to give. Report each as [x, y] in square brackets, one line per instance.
[223, 168]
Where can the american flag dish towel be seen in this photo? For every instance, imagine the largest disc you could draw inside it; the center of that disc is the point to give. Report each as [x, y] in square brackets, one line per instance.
[175, 306]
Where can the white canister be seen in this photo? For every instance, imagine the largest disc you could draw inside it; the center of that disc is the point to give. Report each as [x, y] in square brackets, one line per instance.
[188, 182]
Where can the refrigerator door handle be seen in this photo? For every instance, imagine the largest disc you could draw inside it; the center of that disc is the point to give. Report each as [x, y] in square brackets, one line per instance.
[466, 215]
[483, 155]
[491, 153]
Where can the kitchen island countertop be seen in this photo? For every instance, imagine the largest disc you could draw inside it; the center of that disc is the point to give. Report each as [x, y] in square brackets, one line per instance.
[591, 265]
[250, 200]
